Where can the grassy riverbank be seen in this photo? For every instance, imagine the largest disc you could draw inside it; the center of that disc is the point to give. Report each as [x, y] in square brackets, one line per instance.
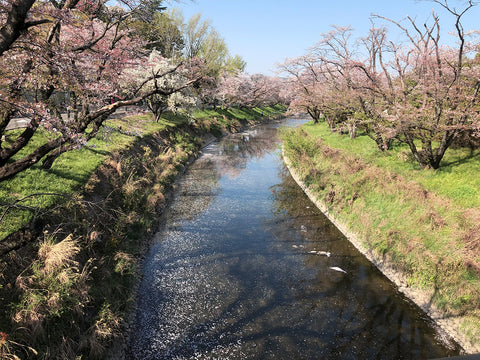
[70, 237]
[422, 223]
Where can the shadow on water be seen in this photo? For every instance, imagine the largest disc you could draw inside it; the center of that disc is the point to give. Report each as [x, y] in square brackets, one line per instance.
[233, 276]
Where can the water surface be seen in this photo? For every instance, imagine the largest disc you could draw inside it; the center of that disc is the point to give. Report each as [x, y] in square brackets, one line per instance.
[232, 274]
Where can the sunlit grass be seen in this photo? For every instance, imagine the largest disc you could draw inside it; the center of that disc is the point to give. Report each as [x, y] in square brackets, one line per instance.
[456, 178]
[241, 114]
[70, 171]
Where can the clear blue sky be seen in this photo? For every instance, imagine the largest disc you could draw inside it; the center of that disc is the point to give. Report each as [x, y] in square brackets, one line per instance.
[266, 32]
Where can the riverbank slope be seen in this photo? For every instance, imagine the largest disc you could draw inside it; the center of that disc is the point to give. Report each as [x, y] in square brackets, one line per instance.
[73, 236]
[421, 240]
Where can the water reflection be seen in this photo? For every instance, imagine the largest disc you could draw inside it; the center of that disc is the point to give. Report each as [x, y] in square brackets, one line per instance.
[226, 158]
[231, 156]
[232, 275]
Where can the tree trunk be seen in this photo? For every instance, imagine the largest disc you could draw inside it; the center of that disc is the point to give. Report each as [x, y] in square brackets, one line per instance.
[447, 140]
[21, 141]
[50, 158]
[313, 115]
[382, 144]
[352, 129]
[10, 169]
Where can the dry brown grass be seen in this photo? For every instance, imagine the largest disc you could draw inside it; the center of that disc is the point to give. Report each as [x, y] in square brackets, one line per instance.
[9, 348]
[471, 239]
[53, 285]
[107, 326]
[434, 219]
[59, 255]
[115, 164]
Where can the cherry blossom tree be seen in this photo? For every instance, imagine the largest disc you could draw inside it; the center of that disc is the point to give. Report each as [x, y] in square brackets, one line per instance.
[249, 91]
[428, 91]
[305, 86]
[420, 91]
[265, 90]
[175, 77]
[233, 90]
[347, 93]
[320, 88]
[442, 89]
[71, 52]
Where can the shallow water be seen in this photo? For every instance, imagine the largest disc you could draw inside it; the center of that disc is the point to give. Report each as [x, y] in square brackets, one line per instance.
[232, 275]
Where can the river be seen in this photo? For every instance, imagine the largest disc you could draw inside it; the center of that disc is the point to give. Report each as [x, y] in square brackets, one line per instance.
[246, 267]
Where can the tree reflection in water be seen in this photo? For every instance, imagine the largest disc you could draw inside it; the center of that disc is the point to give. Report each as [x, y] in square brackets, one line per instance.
[228, 158]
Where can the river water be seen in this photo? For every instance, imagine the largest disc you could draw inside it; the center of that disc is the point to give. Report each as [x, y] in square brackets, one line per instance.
[232, 273]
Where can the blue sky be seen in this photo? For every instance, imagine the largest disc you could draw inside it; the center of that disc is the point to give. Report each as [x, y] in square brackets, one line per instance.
[266, 32]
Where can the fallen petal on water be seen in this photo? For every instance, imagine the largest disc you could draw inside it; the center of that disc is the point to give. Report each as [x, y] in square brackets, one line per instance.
[336, 268]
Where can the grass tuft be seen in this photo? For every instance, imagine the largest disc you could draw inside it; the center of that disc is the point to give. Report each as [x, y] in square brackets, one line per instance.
[59, 255]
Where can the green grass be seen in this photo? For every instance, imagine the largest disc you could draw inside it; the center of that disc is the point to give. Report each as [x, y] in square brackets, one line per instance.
[457, 178]
[69, 172]
[72, 169]
[245, 114]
